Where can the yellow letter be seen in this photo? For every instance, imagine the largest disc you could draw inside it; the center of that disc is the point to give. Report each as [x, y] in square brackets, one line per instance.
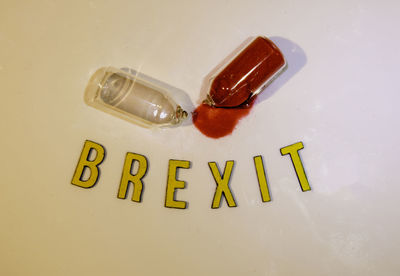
[173, 184]
[84, 163]
[293, 150]
[128, 177]
[222, 184]
[262, 180]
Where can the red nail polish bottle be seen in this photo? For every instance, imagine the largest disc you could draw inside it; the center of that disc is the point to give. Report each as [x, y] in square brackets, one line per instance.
[247, 74]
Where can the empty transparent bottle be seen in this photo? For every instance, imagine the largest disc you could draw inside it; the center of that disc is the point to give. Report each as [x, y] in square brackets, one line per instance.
[133, 98]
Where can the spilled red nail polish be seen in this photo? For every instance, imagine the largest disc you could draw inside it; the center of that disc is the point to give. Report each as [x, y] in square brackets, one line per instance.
[217, 122]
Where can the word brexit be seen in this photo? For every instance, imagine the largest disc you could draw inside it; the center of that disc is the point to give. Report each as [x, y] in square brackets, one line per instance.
[87, 173]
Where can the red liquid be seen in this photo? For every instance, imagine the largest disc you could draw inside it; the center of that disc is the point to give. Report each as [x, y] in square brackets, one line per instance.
[254, 65]
[218, 122]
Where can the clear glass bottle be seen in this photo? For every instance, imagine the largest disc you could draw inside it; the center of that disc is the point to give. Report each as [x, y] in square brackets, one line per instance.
[132, 97]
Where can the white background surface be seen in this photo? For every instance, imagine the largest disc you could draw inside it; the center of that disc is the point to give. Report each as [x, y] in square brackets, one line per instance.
[340, 97]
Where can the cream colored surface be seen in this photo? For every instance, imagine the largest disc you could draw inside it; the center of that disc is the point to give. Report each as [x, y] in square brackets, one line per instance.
[339, 97]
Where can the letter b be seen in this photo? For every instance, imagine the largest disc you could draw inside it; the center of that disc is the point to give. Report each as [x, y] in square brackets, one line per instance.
[91, 165]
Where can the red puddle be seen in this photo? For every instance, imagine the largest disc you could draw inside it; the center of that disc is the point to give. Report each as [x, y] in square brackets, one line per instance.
[216, 122]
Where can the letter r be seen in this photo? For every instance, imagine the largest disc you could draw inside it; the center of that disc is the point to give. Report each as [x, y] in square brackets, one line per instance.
[136, 179]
